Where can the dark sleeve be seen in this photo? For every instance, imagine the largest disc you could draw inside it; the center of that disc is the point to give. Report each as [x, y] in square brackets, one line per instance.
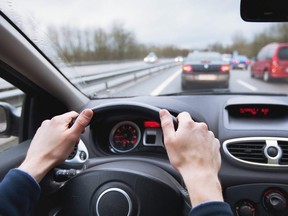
[212, 209]
[18, 193]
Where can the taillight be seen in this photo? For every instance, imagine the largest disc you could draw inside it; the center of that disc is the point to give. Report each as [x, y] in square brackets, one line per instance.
[187, 68]
[274, 60]
[275, 64]
[224, 68]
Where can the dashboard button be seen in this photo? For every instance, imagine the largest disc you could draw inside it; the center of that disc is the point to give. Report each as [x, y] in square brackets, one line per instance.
[245, 208]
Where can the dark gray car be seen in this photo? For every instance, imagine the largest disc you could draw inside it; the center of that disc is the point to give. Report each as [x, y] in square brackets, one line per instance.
[205, 70]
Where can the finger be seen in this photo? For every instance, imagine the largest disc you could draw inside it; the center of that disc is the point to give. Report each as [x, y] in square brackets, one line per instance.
[166, 123]
[65, 118]
[184, 121]
[60, 120]
[82, 121]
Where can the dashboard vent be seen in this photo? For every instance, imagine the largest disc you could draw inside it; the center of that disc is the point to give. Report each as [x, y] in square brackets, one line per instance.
[264, 151]
[284, 146]
[73, 153]
[248, 151]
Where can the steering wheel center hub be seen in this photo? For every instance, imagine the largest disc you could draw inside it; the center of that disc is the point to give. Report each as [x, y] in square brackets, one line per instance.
[114, 201]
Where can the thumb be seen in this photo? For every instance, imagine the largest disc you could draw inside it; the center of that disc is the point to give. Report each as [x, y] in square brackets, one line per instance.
[166, 124]
[82, 121]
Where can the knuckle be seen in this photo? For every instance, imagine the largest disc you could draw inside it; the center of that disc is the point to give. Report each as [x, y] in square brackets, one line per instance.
[203, 126]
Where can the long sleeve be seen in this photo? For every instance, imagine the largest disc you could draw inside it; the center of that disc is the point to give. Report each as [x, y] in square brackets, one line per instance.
[212, 209]
[18, 193]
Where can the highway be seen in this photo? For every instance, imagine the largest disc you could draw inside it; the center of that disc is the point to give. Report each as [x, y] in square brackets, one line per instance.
[164, 81]
[169, 82]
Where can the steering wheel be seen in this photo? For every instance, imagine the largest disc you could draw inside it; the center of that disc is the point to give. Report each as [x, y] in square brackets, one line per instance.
[123, 185]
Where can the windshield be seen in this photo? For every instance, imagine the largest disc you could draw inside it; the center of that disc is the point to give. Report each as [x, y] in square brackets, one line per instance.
[112, 48]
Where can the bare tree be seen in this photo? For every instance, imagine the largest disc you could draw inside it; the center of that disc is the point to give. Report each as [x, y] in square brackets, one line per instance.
[121, 40]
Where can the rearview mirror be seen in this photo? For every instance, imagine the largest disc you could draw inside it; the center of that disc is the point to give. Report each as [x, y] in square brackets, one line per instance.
[264, 10]
[9, 120]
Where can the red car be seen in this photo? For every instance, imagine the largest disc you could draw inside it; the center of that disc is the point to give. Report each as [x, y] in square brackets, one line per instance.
[271, 62]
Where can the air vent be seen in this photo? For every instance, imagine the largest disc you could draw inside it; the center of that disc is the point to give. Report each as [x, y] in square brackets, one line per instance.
[73, 153]
[251, 151]
[284, 146]
[267, 151]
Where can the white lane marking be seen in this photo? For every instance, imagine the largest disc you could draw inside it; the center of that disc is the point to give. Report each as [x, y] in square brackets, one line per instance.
[160, 88]
[247, 85]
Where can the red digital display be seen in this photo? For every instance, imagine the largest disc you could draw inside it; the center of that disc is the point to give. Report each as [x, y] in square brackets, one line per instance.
[254, 111]
[259, 111]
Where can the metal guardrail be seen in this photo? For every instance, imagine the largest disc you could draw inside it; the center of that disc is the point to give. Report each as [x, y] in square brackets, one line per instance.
[92, 84]
[103, 81]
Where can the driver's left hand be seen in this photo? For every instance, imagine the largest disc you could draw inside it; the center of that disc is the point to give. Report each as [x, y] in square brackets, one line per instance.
[54, 141]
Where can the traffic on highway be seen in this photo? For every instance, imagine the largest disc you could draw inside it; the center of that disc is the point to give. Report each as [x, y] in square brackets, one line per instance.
[161, 79]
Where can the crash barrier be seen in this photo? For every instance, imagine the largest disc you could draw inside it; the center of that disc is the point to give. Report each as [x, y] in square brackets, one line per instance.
[94, 83]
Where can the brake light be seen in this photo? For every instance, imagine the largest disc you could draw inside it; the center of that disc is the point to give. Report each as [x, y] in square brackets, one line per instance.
[187, 68]
[224, 68]
[275, 65]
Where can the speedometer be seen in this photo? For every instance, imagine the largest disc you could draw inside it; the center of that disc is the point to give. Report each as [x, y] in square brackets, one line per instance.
[124, 136]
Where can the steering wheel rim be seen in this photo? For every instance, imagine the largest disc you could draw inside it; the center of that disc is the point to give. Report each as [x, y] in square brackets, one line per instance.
[134, 107]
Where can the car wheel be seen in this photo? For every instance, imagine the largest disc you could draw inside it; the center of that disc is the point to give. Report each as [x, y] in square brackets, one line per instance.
[266, 76]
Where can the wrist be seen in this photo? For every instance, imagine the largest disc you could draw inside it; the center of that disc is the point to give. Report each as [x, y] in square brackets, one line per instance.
[203, 187]
[36, 169]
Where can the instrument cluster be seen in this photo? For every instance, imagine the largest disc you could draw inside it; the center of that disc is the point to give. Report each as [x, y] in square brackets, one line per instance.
[133, 135]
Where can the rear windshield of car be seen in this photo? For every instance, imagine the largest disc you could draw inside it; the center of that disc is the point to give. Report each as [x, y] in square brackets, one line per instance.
[283, 53]
[204, 56]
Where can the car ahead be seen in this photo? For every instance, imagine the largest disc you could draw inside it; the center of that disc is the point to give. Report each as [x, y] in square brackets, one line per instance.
[179, 59]
[151, 58]
[240, 62]
[202, 69]
[227, 57]
[81, 57]
[271, 62]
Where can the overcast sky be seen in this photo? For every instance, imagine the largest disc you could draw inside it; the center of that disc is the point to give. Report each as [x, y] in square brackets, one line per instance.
[183, 23]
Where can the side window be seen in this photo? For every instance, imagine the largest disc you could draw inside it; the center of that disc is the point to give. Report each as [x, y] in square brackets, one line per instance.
[283, 53]
[271, 52]
[261, 54]
[13, 96]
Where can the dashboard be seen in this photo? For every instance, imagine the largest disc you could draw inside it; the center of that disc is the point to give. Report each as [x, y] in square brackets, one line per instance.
[252, 130]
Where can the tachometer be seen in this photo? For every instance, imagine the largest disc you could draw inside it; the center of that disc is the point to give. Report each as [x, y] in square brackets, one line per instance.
[124, 136]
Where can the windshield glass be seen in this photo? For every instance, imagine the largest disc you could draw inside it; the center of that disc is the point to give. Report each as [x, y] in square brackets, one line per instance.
[112, 48]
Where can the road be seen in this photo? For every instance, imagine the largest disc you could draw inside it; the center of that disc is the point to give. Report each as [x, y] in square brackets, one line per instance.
[169, 81]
